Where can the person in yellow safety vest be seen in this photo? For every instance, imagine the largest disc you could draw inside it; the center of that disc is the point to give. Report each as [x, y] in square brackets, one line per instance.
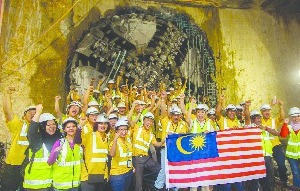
[201, 124]
[267, 183]
[91, 114]
[120, 149]
[225, 123]
[112, 118]
[18, 128]
[122, 111]
[174, 124]
[94, 104]
[94, 174]
[230, 121]
[73, 110]
[142, 138]
[42, 134]
[293, 145]
[66, 157]
[111, 87]
[275, 123]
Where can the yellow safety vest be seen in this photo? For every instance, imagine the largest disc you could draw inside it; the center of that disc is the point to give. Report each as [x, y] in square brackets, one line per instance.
[141, 145]
[40, 175]
[293, 146]
[201, 127]
[67, 169]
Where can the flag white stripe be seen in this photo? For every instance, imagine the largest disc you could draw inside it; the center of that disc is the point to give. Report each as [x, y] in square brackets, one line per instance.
[216, 172]
[215, 164]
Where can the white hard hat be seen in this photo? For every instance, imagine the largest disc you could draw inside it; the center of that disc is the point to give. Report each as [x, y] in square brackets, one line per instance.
[294, 111]
[265, 107]
[93, 102]
[121, 104]
[148, 115]
[230, 107]
[171, 89]
[69, 119]
[91, 111]
[32, 107]
[116, 97]
[96, 91]
[254, 113]
[239, 107]
[101, 119]
[105, 89]
[76, 103]
[174, 100]
[124, 118]
[175, 110]
[134, 87]
[212, 111]
[121, 122]
[111, 82]
[142, 103]
[202, 107]
[113, 116]
[46, 117]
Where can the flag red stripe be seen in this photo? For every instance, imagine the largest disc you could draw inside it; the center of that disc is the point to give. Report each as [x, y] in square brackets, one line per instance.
[239, 149]
[220, 134]
[233, 142]
[218, 176]
[222, 167]
[229, 158]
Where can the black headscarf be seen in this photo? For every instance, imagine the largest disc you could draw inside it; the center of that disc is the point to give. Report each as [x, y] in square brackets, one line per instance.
[48, 139]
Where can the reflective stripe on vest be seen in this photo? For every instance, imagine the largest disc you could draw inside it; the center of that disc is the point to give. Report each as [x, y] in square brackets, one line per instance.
[66, 184]
[96, 150]
[200, 125]
[139, 138]
[23, 133]
[45, 155]
[38, 182]
[123, 155]
[169, 125]
[293, 146]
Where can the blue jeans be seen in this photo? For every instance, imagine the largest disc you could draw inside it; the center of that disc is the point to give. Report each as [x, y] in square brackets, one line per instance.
[161, 177]
[121, 182]
[279, 157]
[237, 186]
[294, 163]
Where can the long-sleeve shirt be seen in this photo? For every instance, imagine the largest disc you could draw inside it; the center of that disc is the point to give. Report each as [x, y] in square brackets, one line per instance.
[54, 154]
[285, 130]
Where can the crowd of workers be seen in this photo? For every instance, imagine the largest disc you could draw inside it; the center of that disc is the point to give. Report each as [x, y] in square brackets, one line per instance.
[106, 139]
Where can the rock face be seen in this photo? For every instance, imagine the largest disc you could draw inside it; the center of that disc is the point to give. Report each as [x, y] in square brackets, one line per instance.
[255, 54]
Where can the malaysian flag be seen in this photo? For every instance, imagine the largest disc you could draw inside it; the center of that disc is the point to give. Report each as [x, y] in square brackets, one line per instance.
[215, 158]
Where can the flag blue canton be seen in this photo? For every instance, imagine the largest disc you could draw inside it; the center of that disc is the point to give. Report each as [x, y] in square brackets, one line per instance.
[187, 147]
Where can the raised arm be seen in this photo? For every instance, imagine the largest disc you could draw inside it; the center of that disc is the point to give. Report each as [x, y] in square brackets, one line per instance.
[181, 104]
[57, 107]
[33, 130]
[86, 98]
[281, 111]
[247, 112]
[7, 108]
[219, 106]
[163, 106]
[189, 113]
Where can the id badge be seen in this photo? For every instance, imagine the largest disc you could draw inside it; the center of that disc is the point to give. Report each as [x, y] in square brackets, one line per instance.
[129, 163]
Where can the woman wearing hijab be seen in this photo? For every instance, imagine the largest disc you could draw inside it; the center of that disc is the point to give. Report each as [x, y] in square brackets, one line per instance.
[42, 134]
